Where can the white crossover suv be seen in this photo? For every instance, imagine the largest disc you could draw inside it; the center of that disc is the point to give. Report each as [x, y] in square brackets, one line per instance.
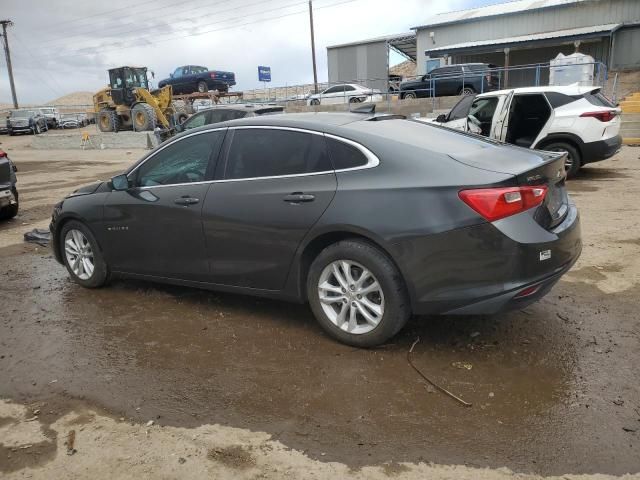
[578, 120]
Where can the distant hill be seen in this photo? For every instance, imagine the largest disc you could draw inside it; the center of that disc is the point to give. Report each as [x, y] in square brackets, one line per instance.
[406, 69]
[75, 98]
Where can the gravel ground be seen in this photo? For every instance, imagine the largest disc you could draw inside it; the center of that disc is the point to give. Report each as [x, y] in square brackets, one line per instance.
[167, 382]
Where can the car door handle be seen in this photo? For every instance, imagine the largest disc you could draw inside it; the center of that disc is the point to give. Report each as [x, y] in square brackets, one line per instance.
[186, 200]
[299, 197]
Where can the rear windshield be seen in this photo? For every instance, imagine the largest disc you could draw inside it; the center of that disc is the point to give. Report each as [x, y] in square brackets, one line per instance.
[597, 98]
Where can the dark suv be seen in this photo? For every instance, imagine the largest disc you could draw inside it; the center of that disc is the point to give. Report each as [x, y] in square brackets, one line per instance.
[461, 79]
[29, 121]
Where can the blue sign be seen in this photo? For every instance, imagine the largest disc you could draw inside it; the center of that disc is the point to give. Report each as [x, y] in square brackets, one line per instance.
[264, 74]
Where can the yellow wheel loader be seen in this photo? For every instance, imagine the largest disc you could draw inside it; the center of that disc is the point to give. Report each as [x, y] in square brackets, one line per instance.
[128, 104]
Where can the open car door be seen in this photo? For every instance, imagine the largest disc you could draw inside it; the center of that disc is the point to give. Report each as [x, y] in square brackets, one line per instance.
[501, 119]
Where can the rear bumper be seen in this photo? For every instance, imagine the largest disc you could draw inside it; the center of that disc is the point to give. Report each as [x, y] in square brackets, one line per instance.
[482, 269]
[600, 150]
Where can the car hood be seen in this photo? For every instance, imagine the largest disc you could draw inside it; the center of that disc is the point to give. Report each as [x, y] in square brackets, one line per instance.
[87, 189]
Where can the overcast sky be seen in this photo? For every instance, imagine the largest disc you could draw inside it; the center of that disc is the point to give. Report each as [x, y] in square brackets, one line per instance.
[63, 46]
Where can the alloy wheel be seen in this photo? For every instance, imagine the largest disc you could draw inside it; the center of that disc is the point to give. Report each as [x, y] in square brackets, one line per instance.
[351, 296]
[568, 161]
[79, 254]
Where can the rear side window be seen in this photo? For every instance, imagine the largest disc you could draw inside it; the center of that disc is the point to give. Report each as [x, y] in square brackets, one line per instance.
[559, 99]
[598, 99]
[344, 155]
[258, 153]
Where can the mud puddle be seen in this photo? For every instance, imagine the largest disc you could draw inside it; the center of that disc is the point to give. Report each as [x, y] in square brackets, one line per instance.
[546, 383]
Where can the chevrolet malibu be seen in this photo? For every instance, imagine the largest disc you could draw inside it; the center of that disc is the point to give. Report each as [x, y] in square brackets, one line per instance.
[368, 218]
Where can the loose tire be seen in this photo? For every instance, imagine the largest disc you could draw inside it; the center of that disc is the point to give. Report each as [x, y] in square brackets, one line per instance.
[108, 120]
[180, 109]
[82, 255]
[409, 95]
[202, 87]
[357, 294]
[143, 117]
[10, 211]
[574, 161]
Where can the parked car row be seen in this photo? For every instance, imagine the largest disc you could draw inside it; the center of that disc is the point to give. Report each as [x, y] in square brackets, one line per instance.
[26, 121]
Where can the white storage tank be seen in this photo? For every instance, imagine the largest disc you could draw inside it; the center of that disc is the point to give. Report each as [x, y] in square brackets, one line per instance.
[574, 69]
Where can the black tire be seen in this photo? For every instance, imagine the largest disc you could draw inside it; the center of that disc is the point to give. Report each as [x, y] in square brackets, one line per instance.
[355, 100]
[36, 129]
[409, 95]
[100, 275]
[314, 102]
[10, 211]
[143, 117]
[202, 87]
[397, 307]
[573, 156]
[108, 120]
[466, 91]
[180, 111]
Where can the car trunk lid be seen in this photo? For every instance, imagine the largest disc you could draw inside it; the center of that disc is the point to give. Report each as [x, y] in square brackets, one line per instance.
[529, 168]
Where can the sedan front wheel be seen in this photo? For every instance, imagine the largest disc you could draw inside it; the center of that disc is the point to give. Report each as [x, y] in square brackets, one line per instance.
[82, 255]
[357, 294]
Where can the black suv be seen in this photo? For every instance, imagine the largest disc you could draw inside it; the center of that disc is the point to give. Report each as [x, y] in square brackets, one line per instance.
[29, 121]
[461, 79]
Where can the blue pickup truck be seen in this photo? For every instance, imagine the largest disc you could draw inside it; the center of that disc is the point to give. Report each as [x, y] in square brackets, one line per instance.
[194, 78]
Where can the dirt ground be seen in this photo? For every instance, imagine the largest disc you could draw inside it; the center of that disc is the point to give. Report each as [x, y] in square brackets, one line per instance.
[167, 382]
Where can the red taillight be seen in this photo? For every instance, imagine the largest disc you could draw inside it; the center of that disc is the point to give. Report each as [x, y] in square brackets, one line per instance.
[3, 153]
[528, 291]
[496, 203]
[212, 75]
[603, 116]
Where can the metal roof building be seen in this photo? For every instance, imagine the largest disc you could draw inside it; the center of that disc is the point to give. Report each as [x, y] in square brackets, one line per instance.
[519, 32]
[533, 31]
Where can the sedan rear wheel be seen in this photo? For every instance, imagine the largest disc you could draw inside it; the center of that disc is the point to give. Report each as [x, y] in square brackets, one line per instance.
[357, 293]
[82, 256]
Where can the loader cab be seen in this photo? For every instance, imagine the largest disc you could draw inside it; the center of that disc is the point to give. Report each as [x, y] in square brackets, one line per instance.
[124, 80]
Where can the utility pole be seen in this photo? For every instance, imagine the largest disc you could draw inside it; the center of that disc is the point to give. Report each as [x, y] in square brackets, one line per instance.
[5, 24]
[313, 48]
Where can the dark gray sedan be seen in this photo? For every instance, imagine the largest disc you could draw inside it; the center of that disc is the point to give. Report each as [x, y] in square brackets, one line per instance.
[369, 218]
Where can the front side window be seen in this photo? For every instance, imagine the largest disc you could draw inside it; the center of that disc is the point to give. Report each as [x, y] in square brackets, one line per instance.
[336, 89]
[184, 161]
[270, 152]
[461, 109]
[484, 108]
[177, 73]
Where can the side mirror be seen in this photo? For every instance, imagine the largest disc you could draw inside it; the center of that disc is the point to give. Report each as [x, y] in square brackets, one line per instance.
[171, 75]
[179, 127]
[120, 182]
[441, 118]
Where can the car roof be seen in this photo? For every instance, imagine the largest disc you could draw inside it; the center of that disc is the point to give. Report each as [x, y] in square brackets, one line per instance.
[567, 90]
[244, 106]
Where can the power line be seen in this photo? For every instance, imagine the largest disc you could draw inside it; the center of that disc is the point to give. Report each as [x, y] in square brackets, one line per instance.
[173, 5]
[118, 46]
[138, 29]
[57, 94]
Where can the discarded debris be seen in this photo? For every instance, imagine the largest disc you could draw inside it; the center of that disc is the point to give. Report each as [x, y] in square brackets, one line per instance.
[562, 317]
[443, 390]
[35, 417]
[39, 236]
[70, 442]
[182, 460]
[462, 365]
[618, 401]
[474, 334]
[630, 429]
[491, 394]
[149, 423]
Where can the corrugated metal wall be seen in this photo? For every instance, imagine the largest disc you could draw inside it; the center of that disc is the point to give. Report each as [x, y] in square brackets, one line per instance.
[583, 14]
[626, 49]
[359, 64]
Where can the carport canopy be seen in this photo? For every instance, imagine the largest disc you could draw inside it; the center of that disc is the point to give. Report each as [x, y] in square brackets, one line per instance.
[538, 39]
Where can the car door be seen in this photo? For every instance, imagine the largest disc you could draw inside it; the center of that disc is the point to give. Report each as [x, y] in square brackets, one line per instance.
[457, 117]
[274, 185]
[333, 95]
[481, 117]
[155, 227]
[501, 122]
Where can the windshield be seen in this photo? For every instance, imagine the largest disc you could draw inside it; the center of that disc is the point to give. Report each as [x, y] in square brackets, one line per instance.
[46, 110]
[22, 114]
